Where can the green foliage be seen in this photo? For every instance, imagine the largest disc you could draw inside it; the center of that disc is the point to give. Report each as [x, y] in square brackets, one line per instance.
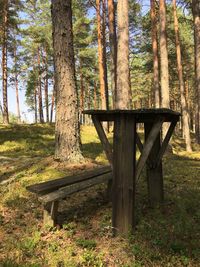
[86, 243]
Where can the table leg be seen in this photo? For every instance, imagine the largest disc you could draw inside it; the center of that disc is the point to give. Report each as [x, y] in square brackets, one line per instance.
[123, 194]
[154, 171]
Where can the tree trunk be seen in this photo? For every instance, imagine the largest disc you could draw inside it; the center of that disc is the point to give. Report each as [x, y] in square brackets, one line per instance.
[156, 86]
[186, 128]
[123, 83]
[16, 86]
[164, 57]
[104, 53]
[196, 16]
[113, 47]
[52, 102]
[41, 115]
[46, 84]
[67, 128]
[101, 57]
[4, 63]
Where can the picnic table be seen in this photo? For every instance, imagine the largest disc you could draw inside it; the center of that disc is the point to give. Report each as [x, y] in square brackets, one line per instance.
[122, 157]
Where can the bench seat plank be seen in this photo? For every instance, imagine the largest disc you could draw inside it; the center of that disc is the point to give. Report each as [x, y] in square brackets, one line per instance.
[52, 185]
[70, 189]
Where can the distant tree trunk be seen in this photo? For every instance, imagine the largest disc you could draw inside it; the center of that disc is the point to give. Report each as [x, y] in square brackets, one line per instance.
[95, 95]
[4, 63]
[186, 128]
[156, 86]
[113, 47]
[67, 131]
[164, 57]
[123, 82]
[196, 16]
[1, 109]
[52, 103]
[46, 84]
[101, 56]
[41, 115]
[16, 86]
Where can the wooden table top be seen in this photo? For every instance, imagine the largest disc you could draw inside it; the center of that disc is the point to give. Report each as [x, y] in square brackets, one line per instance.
[141, 115]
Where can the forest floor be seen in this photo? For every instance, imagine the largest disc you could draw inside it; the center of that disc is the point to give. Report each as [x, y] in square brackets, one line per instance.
[164, 236]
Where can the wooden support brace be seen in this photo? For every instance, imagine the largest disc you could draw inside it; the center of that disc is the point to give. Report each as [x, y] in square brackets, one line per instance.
[104, 140]
[50, 213]
[148, 146]
[139, 143]
[165, 143]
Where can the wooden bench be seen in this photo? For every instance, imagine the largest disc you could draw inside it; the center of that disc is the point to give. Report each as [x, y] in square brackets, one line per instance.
[51, 192]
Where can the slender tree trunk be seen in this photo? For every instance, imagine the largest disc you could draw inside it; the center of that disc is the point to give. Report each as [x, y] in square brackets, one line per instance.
[95, 95]
[196, 16]
[16, 86]
[104, 53]
[1, 109]
[46, 84]
[67, 128]
[123, 82]
[41, 115]
[156, 86]
[101, 51]
[186, 128]
[113, 47]
[4, 63]
[164, 57]
[52, 102]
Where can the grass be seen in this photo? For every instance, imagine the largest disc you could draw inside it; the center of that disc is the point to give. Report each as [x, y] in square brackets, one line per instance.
[164, 236]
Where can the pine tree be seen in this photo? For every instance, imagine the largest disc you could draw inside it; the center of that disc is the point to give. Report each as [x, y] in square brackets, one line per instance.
[67, 129]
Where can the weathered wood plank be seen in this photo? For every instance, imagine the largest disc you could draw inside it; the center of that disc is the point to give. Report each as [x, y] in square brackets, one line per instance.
[154, 173]
[103, 138]
[50, 214]
[49, 186]
[70, 189]
[123, 194]
[161, 152]
[148, 146]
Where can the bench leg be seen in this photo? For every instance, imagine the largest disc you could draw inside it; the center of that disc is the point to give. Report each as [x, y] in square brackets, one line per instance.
[50, 214]
[154, 172]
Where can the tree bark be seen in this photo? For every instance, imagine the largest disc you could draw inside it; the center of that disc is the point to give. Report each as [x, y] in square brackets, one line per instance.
[101, 57]
[4, 63]
[156, 86]
[67, 128]
[123, 78]
[113, 47]
[186, 128]
[196, 16]
[164, 57]
[41, 115]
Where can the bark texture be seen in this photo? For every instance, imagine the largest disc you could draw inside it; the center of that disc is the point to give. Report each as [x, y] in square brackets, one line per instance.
[101, 55]
[196, 16]
[156, 86]
[164, 57]
[113, 47]
[185, 114]
[123, 78]
[67, 128]
[4, 63]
